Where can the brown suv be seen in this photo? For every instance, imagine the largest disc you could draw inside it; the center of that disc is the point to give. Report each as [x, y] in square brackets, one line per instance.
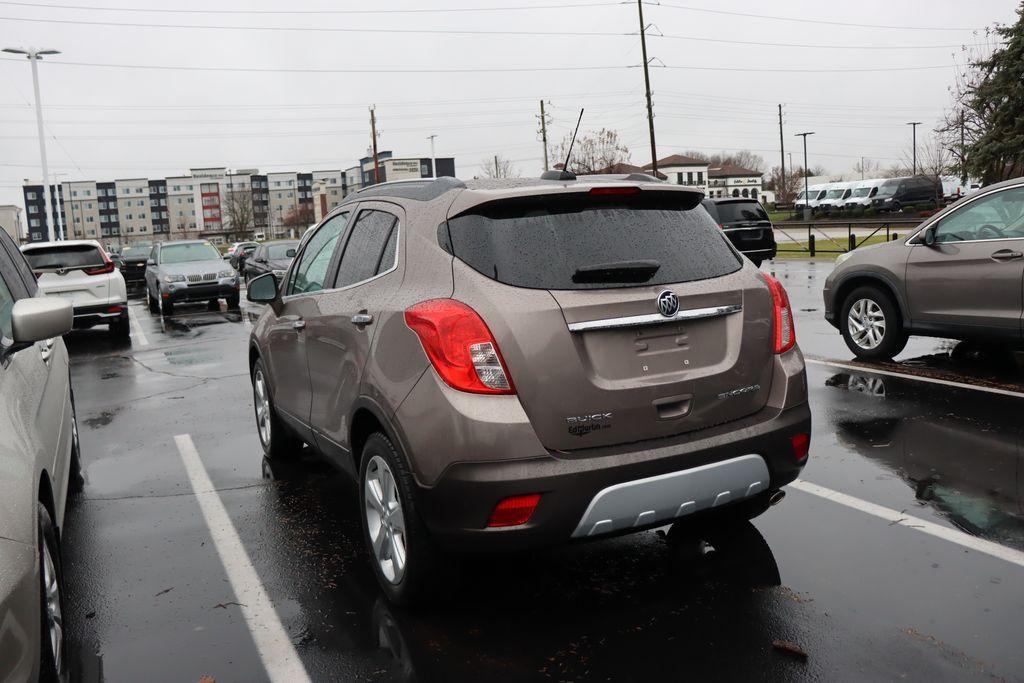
[507, 364]
[960, 276]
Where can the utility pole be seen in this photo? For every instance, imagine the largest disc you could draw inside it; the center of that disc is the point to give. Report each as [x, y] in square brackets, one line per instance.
[433, 159]
[34, 56]
[913, 125]
[544, 133]
[862, 168]
[807, 199]
[373, 134]
[782, 152]
[647, 87]
[496, 166]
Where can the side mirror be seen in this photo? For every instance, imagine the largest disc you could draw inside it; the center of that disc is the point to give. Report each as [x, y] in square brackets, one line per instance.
[263, 289]
[929, 237]
[40, 318]
[290, 253]
[261, 259]
[150, 262]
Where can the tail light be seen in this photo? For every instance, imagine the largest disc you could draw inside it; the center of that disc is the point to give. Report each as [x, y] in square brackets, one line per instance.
[783, 332]
[605, 191]
[107, 267]
[514, 510]
[460, 346]
[801, 445]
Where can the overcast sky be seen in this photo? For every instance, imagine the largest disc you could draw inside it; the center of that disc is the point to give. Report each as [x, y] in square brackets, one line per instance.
[472, 75]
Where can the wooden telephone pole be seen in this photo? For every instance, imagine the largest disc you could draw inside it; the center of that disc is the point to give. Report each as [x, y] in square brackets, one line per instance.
[373, 135]
[647, 87]
[544, 133]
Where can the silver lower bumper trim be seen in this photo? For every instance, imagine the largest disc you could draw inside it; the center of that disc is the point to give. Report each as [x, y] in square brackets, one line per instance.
[665, 497]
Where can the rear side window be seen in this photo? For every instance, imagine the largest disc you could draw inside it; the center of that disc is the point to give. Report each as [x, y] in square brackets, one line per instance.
[734, 212]
[548, 242]
[370, 248]
[65, 256]
[18, 261]
[6, 304]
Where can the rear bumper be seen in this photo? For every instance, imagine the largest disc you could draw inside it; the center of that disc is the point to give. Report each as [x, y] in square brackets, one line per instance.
[578, 490]
[100, 314]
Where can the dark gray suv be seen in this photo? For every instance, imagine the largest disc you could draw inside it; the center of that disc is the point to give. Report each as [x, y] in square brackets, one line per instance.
[508, 364]
[960, 276]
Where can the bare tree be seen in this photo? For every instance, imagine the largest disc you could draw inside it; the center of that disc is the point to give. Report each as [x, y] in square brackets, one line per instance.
[181, 225]
[743, 158]
[785, 187]
[867, 168]
[592, 152]
[240, 213]
[299, 218]
[498, 167]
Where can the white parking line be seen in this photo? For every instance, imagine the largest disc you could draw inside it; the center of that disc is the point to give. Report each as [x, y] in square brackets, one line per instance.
[280, 660]
[137, 332]
[903, 375]
[897, 518]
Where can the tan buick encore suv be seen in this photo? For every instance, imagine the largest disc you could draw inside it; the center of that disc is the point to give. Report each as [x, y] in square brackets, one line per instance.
[508, 364]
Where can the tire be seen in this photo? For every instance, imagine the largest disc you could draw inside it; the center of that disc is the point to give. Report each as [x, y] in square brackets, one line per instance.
[122, 328]
[166, 307]
[154, 307]
[276, 439]
[427, 573]
[878, 311]
[234, 301]
[52, 656]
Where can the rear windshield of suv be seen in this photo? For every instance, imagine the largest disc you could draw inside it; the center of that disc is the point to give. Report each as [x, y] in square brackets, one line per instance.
[547, 242]
[737, 212]
[64, 256]
[135, 252]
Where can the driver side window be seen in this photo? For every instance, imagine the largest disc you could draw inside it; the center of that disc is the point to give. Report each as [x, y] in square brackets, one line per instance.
[998, 216]
[316, 257]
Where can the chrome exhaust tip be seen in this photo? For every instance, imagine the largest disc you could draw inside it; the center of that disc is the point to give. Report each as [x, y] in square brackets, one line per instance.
[776, 497]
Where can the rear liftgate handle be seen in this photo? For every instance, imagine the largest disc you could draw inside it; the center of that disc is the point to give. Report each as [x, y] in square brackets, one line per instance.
[362, 318]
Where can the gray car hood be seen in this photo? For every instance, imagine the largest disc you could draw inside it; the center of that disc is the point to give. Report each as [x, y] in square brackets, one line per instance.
[193, 267]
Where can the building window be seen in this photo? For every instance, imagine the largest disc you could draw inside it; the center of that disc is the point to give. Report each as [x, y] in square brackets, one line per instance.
[746, 192]
[33, 222]
[30, 195]
[700, 177]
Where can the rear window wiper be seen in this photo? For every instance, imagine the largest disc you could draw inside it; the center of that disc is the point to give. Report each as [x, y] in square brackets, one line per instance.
[618, 271]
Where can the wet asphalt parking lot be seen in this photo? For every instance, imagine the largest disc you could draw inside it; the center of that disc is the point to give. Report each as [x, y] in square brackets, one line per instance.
[899, 554]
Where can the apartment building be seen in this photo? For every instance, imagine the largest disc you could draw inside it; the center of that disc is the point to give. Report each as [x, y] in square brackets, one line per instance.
[211, 203]
[10, 222]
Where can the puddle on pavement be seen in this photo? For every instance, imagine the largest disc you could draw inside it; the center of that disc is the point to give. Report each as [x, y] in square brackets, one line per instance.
[101, 419]
[961, 452]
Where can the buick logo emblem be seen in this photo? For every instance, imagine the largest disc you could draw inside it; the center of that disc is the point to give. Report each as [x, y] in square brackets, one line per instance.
[668, 303]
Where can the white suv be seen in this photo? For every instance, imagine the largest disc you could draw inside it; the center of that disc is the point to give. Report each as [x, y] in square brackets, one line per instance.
[81, 272]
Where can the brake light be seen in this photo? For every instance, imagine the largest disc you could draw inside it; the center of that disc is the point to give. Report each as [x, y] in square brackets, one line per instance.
[614, 190]
[107, 267]
[801, 445]
[460, 346]
[783, 332]
[514, 510]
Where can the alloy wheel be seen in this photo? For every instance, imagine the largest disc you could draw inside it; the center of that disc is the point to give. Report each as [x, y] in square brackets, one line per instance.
[866, 322]
[259, 386]
[385, 520]
[54, 618]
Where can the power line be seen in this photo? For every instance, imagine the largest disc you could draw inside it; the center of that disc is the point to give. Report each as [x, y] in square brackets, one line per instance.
[424, 10]
[809, 71]
[316, 70]
[807, 45]
[803, 20]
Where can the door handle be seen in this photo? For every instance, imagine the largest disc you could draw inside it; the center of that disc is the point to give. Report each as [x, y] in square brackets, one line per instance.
[362, 319]
[46, 350]
[299, 325]
[1006, 255]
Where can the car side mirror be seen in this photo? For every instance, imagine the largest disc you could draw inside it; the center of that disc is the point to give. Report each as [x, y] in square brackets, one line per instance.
[40, 318]
[290, 253]
[929, 237]
[150, 262]
[263, 289]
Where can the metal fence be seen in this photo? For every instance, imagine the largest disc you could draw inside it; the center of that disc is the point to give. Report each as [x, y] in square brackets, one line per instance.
[835, 237]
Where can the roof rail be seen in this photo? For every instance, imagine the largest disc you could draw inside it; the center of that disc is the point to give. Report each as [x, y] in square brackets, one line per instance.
[420, 189]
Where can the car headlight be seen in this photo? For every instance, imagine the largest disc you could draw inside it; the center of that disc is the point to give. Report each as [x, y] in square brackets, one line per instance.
[843, 257]
[174, 278]
[226, 273]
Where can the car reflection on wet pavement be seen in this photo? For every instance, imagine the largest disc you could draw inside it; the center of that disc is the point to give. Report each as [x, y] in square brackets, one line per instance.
[149, 598]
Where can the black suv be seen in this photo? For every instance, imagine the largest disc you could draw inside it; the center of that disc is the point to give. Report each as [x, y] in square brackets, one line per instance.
[899, 192]
[746, 224]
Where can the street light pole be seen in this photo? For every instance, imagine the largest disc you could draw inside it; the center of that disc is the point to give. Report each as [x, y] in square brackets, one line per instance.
[433, 160]
[913, 125]
[34, 56]
[807, 199]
